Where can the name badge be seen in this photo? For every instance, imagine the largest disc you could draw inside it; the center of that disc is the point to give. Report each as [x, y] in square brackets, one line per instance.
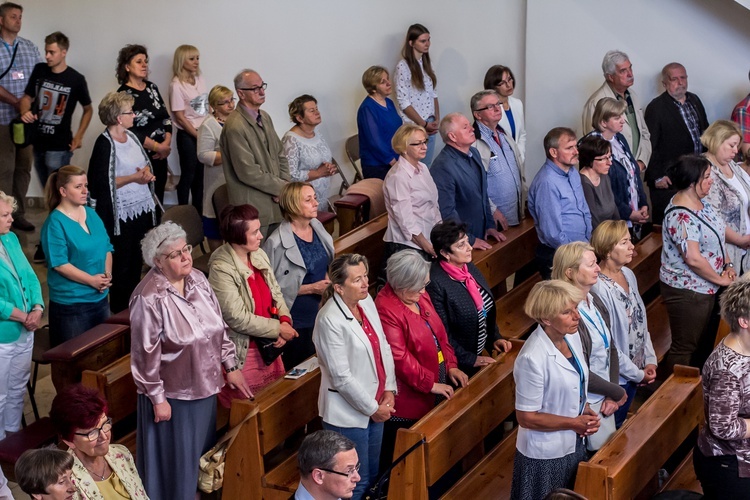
[17, 74]
[440, 357]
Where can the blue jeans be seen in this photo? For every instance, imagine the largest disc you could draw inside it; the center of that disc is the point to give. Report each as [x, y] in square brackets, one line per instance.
[67, 321]
[431, 139]
[622, 413]
[367, 443]
[49, 161]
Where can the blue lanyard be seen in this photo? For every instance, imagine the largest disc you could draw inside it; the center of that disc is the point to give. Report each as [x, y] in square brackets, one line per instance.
[581, 380]
[601, 328]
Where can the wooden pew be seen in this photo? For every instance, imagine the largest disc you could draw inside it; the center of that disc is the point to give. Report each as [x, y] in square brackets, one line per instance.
[365, 240]
[505, 258]
[92, 350]
[277, 412]
[647, 261]
[624, 466]
[453, 429]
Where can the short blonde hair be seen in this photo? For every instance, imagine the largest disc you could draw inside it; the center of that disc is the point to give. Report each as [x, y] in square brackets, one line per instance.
[549, 298]
[606, 235]
[718, 132]
[606, 108]
[217, 93]
[400, 140]
[735, 303]
[290, 199]
[181, 53]
[111, 106]
[6, 198]
[569, 256]
[371, 78]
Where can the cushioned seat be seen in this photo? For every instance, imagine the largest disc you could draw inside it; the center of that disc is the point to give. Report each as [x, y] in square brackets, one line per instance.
[36, 435]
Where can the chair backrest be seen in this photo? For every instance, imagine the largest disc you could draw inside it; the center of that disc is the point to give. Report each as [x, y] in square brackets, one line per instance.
[352, 152]
[187, 216]
[220, 199]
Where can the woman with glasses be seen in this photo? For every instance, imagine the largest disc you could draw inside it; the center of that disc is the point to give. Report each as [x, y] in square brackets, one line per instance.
[595, 160]
[221, 99]
[179, 345]
[500, 79]
[122, 193]
[100, 469]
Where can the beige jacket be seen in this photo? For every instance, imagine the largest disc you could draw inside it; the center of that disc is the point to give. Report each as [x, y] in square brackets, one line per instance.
[228, 277]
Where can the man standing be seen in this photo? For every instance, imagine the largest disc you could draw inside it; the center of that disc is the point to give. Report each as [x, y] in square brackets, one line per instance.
[618, 78]
[556, 202]
[254, 163]
[328, 467]
[676, 120]
[50, 99]
[17, 60]
[506, 179]
[741, 116]
[460, 177]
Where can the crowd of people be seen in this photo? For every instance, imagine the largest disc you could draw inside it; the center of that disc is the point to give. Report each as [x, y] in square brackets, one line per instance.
[277, 294]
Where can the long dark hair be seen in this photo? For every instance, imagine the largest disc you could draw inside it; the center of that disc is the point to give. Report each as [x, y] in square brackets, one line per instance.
[407, 52]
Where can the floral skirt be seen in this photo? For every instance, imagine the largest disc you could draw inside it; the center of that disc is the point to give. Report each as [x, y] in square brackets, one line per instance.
[257, 375]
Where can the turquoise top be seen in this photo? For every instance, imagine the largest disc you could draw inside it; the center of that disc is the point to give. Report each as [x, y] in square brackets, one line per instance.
[65, 242]
[19, 287]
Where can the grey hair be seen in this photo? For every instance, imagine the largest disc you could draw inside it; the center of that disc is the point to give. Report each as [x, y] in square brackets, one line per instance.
[6, 198]
[241, 76]
[479, 96]
[111, 106]
[611, 60]
[164, 234]
[446, 125]
[407, 271]
[319, 449]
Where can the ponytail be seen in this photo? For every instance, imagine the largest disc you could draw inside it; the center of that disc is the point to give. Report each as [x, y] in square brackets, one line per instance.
[56, 180]
[338, 271]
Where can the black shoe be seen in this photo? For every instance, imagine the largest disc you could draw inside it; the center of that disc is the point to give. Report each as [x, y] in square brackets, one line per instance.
[22, 224]
[39, 257]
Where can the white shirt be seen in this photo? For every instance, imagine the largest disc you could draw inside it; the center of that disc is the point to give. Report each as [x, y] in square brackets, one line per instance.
[423, 101]
[599, 356]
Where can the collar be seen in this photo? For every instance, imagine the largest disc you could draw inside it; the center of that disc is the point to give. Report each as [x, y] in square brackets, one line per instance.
[459, 152]
[625, 95]
[410, 169]
[250, 111]
[557, 169]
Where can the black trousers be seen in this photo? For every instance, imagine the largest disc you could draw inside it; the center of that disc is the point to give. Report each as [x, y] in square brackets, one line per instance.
[127, 260]
[191, 176]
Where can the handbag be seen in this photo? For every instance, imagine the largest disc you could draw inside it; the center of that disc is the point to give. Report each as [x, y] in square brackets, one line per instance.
[606, 429]
[211, 465]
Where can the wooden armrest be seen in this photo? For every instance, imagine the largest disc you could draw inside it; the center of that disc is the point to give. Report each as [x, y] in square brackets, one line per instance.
[87, 341]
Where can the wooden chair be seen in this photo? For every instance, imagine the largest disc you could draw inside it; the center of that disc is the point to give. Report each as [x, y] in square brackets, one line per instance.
[41, 345]
[352, 152]
[220, 199]
[188, 217]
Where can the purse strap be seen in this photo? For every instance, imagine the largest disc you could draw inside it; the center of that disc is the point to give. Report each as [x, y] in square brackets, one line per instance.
[232, 433]
[12, 60]
[680, 207]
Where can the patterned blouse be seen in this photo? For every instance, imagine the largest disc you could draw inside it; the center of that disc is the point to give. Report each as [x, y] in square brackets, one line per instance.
[305, 155]
[681, 226]
[726, 403]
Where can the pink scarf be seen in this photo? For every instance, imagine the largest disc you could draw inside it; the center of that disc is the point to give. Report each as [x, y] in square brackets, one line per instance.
[463, 275]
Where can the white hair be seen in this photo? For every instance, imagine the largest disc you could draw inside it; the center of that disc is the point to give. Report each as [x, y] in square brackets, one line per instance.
[164, 234]
[611, 60]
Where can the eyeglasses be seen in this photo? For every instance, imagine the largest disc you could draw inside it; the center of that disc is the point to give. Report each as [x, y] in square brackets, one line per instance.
[509, 81]
[128, 112]
[425, 286]
[257, 89]
[228, 101]
[348, 473]
[418, 144]
[603, 158]
[491, 106]
[93, 434]
[177, 253]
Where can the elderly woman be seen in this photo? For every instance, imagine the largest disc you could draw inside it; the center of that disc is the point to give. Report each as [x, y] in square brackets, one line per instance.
[595, 160]
[151, 122]
[608, 121]
[358, 380]
[551, 378]
[575, 263]
[308, 153]
[377, 121]
[729, 195]
[300, 251]
[617, 288]
[188, 99]
[722, 454]
[250, 299]
[694, 263]
[179, 343]
[79, 257]
[100, 469]
[415, 85]
[462, 299]
[426, 365]
[21, 307]
[45, 474]
[221, 99]
[411, 196]
[500, 79]
[122, 192]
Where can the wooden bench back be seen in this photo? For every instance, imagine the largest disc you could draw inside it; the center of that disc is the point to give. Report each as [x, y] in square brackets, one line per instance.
[504, 259]
[366, 240]
[625, 465]
[115, 383]
[646, 264]
[453, 429]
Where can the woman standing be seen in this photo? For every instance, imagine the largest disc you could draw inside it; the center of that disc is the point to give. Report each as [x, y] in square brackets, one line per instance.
[595, 160]
[179, 344]
[79, 257]
[358, 380]
[415, 85]
[377, 121]
[300, 251]
[694, 263]
[308, 153]
[122, 185]
[151, 121]
[188, 99]
[21, 307]
[500, 79]
[729, 195]
[221, 101]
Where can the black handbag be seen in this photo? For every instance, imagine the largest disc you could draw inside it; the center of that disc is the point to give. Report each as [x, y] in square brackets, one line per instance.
[268, 352]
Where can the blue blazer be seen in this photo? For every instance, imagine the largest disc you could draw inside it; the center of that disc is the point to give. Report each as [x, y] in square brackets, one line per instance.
[22, 293]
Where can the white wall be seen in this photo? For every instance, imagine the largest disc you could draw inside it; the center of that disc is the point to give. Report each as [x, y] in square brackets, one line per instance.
[298, 47]
[566, 40]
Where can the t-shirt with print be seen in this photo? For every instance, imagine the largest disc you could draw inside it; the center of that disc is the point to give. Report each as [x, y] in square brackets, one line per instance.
[58, 95]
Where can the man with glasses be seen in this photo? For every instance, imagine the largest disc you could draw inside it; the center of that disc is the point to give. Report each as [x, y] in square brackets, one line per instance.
[254, 163]
[328, 466]
[506, 179]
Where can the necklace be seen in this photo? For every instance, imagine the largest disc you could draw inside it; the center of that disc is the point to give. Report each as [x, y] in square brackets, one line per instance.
[101, 476]
[740, 344]
[77, 219]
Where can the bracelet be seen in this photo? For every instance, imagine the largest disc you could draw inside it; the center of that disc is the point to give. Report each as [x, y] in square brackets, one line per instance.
[232, 369]
[37, 308]
[155, 147]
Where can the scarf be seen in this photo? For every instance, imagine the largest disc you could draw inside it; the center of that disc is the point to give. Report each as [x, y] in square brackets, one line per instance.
[463, 275]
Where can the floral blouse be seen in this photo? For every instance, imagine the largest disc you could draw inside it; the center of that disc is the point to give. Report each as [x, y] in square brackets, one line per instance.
[681, 226]
[122, 464]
